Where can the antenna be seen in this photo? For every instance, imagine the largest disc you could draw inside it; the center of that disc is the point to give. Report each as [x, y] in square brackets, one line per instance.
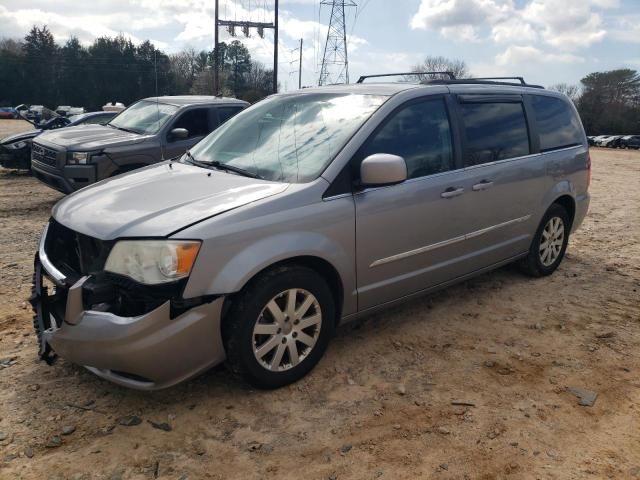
[335, 59]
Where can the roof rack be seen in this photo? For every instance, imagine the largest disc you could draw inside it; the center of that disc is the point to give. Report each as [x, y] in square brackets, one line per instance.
[484, 81]
[364, 77]
[520, 79]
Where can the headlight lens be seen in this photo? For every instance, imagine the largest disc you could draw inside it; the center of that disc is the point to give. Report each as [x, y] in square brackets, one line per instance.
[18, 145]
[78, 158]
[153, 261]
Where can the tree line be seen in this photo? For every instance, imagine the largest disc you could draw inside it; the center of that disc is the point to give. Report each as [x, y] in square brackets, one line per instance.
[37, 70]
[608, 102]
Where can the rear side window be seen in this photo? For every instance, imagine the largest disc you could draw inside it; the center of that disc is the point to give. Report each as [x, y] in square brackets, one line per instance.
[558, 125]
[494, 131]
[419, 133]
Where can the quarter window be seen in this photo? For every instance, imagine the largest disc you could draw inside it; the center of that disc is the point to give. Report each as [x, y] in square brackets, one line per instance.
[494, 131]
[558, 125]
[420, 133]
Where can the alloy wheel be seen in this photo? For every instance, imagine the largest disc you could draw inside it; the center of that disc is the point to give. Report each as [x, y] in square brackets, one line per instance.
[552, 241]
[287, 329]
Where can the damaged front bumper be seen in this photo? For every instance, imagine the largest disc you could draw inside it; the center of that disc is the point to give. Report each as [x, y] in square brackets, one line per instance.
[146, 352]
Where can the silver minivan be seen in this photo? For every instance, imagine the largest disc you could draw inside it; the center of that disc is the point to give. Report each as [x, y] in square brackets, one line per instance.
[304, 211]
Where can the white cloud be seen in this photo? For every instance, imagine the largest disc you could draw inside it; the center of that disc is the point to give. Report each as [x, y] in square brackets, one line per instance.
[566, 25]
[626, 29]
[522, 55]
[514, 30]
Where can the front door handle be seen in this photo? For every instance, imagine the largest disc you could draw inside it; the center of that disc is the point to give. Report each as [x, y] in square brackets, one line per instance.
[483, 185]
[452, 192]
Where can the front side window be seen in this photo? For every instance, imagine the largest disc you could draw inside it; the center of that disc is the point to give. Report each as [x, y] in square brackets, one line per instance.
[558, 125]
[419, 133]
[288, 138]
[144, 117]
[494, 131]
[196, 121]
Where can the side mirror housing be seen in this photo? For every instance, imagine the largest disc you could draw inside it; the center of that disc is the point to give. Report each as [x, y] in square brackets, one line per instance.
[179, 133]
[382, 169]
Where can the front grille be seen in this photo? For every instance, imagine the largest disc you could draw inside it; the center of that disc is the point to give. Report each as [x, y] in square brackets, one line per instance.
[44, 155]
[73, 253]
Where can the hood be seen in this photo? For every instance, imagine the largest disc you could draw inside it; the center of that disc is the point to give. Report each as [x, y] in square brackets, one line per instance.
[91, 137]
[28, 135]
[158, 200]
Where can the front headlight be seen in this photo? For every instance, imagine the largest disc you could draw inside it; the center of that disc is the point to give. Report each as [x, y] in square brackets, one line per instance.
[18, 145]
[153, 261]
[78, 158]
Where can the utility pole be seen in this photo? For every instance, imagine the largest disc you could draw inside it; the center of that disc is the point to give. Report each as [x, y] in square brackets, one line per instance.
[275, 50]
[335, 59]
[245, 26]
[216, 54]
[300, 68]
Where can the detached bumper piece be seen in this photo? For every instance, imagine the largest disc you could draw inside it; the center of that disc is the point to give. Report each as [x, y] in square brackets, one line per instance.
[43, 320]
[133, 335]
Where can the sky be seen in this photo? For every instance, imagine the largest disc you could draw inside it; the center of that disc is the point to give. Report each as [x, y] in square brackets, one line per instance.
[546, 41]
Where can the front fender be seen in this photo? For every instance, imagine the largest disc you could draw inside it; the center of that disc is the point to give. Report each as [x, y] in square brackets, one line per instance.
[269, 251]
[233, 252]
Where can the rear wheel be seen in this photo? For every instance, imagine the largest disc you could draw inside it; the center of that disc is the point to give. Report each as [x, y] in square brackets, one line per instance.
[279, 327]
[549, 243]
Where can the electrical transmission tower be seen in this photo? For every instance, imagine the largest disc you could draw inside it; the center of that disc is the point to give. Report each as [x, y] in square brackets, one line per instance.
[335, 61]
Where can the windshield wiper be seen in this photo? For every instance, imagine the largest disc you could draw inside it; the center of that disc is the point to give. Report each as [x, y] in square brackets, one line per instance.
[222, 166]
[125, 129]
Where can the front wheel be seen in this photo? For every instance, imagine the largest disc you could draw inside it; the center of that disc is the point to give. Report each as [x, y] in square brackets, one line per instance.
[279, 326]
[549, 243]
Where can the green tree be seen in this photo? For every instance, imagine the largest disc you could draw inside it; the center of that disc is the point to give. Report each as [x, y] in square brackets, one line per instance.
[238, 64]
[72, 81]
[40, 57]
[610, 102]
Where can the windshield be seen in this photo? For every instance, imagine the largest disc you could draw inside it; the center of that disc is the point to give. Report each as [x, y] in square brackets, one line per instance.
[288, 138]
[144, 117]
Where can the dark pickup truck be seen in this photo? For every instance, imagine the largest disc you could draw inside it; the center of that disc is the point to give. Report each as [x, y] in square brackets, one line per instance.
[149, 131]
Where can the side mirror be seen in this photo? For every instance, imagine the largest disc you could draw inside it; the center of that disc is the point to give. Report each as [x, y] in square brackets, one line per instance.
[382, 169]
[179, 133]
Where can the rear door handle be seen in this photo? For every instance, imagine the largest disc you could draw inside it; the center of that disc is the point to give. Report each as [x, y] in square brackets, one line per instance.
[452, 192]
[483, 185]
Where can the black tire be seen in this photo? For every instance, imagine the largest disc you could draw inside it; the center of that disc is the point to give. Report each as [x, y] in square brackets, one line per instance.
[532, 264]
[246, 308]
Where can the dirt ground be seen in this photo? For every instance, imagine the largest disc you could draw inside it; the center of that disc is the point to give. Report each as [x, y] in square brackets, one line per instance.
[381, 402]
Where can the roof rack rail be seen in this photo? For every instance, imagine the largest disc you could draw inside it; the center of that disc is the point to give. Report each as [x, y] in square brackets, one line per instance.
[485, 81]
[364, 77]
[520, 79]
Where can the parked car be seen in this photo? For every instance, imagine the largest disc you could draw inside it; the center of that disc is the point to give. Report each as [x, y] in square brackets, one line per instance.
[307, 210]
[8, 112]
[611, 141]
[35, 113]
[63, 110]
[630, 141]
[113, 107]
[15, 150]
[147, 132]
